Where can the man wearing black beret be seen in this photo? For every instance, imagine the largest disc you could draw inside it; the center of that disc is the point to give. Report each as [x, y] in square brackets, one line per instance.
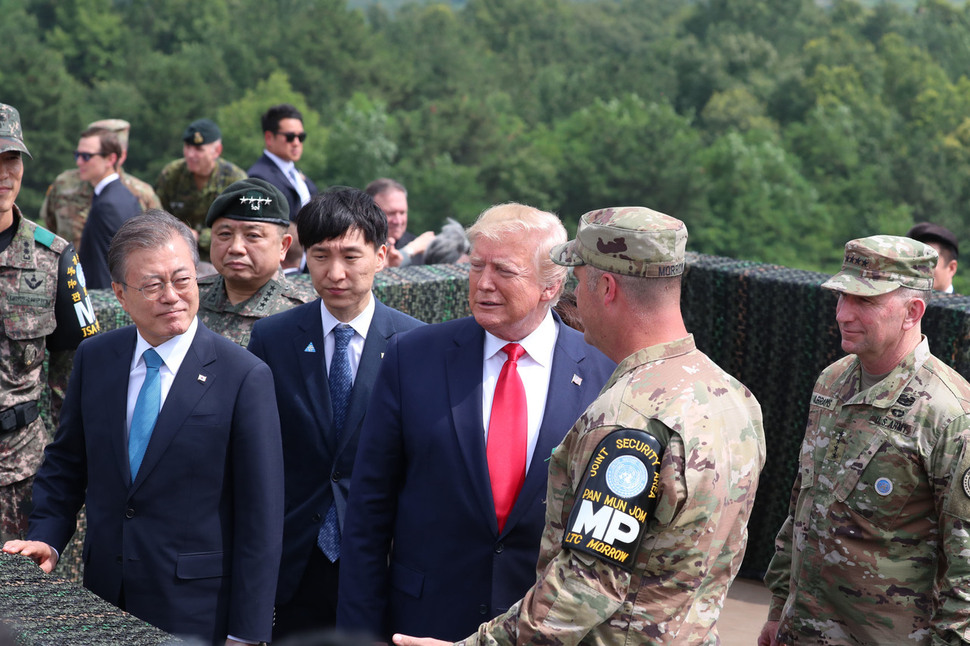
[249, 222]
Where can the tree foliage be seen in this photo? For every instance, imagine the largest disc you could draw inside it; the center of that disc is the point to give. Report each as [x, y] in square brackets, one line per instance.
[777, 129]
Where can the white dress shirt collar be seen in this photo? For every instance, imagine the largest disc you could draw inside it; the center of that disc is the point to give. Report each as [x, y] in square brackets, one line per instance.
[104, 182]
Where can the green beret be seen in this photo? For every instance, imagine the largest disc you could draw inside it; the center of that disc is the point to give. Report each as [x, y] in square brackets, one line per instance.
[250, 199]
[201, 131]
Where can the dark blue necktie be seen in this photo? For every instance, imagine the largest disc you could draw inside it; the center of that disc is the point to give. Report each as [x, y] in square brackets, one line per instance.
[341, 383]
[146, 411]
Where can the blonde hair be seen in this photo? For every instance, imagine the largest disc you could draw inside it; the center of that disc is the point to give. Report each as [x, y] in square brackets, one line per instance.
[514, 219]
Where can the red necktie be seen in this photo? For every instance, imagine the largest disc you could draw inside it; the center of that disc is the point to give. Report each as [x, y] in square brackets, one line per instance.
[507, 433]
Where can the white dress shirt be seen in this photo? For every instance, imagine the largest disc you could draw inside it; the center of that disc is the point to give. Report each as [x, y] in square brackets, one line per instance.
[172, 353]
[356, 347]
[292, 174]
[534, 368]
[104, 182]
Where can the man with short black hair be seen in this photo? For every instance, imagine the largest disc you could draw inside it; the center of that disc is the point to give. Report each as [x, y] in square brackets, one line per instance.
[97, 156]
[325, 357]
[948, 248]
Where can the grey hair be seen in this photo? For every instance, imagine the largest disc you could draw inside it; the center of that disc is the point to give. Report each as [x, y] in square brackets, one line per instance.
[150, 230]
[449, 245]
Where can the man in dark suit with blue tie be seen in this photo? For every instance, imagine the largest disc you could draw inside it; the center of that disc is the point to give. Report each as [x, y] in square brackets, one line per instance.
[325, 356]
[447, 509]
[283, 134]
[97, 156]
[170, 435]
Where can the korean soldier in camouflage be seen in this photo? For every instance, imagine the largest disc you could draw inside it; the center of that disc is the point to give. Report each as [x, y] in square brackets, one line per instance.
[43, 305]
[650, 492]
[187, 187]
[874, 549]
[68, 200]
[250, 237]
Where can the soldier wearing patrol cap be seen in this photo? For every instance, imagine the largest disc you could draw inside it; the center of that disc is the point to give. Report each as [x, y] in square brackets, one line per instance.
[650, 491]
[188, 186]
[250, 237]
[874, 549]
[46, 307]
[68, 200]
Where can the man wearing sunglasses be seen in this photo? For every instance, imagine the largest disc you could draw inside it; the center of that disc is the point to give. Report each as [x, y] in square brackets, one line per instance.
[284, 136]
[97, 156]
[68, 200]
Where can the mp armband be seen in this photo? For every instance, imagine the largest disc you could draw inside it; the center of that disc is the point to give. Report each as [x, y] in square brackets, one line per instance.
[73, 310]
[617, 497]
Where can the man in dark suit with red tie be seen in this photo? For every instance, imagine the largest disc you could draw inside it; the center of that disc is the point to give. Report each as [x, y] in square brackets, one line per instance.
[446, 509]
[325, 356]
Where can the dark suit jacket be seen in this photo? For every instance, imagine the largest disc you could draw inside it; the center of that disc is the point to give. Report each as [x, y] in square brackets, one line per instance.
[421, 484]
[266, 169]
[318, 472]
[109, 211]
[193, 544]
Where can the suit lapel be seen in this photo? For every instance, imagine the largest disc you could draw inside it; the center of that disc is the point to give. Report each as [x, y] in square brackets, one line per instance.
[463, 364]
[117, 400]
[187, 389]
[311, 358]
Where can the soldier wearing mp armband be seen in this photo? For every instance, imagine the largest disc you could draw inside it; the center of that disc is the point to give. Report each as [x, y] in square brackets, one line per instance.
[43, 305]
[650, 491]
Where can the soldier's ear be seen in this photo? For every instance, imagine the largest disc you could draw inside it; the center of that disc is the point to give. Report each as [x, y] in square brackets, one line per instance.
[915, 309]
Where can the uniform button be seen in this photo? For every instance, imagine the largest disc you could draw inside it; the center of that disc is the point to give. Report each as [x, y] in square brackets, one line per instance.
[336, 476]
[129, 513]
[483, 609]
[317, 518]
[499, 548]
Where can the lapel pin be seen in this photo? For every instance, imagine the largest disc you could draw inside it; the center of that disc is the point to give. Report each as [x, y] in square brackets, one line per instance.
[577, 380]
[382, 355]
[201, 379]
[310, 348]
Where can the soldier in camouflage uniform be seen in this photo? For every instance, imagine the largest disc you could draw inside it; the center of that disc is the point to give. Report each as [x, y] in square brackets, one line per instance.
[187, 187]
[650, 492]
[250, 237]
[874, 550]
[43, 305]
[68, 200]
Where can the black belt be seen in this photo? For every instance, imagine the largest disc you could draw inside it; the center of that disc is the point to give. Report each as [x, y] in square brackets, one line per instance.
[17, 417]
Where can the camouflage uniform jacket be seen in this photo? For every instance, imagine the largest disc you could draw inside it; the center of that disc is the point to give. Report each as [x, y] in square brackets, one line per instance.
[180, 197]
[693, 545]
[235, 322]
[68, 200]
[43, 305]
[874, 550]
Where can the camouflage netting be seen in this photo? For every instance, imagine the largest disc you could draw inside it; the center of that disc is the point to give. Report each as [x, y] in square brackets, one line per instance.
[772, 327]
[45, 610]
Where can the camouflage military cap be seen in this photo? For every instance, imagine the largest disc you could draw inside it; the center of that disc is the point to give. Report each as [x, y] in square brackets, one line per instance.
[11, 132]
[882, 264]
[631, 240]
[201, 131]
[118, 126]
[250, 199]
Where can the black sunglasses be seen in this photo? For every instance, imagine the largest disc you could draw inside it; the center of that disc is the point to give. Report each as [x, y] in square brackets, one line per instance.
[86, 156]
[290, 136]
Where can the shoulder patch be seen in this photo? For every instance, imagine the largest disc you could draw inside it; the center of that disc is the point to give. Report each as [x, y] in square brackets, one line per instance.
[618, 494]
[44, 236]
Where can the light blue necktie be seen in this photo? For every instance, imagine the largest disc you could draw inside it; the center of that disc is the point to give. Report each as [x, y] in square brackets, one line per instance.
[341, 383]
[146, 411]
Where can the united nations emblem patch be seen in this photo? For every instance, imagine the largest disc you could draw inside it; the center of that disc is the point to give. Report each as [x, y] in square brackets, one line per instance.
[966, 482]
[626, 476]
[884, 486]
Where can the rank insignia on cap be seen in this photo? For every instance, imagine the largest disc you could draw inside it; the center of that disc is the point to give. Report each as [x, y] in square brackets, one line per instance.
[255, 200]
[310, 348]
[202, 379]
[197, 138]
[966, 482]
[884, 486]
[577, 380]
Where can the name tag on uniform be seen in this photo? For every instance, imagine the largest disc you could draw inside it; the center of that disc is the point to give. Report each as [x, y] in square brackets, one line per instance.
[823, 401]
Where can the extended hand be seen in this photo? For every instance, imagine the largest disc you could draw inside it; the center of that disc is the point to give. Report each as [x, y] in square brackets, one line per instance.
[41, 553]
[769, 634]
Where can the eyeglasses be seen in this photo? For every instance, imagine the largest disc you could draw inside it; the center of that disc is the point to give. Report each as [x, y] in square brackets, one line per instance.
[152, 291]
[87, 156]
[290, 136]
